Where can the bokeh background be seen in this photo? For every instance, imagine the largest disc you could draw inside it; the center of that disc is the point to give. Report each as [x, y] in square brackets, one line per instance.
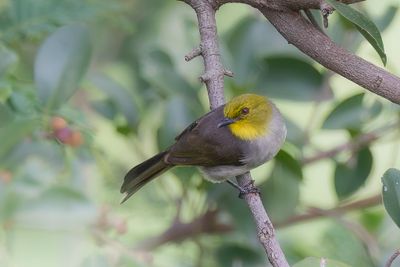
[89, 88]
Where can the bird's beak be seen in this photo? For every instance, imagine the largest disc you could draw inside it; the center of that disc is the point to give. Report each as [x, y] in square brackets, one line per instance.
[225, 121]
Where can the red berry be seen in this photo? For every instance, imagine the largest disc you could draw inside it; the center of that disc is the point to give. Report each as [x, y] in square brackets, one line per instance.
[58, 123]
[63, 135]
[5, 176]
[76, 139]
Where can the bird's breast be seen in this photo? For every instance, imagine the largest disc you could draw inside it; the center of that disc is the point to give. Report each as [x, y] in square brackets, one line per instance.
[264, 148]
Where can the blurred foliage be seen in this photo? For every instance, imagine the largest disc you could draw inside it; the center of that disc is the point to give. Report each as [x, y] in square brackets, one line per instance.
[89, 88]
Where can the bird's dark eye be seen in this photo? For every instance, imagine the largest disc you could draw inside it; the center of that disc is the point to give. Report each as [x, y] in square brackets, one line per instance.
[245, 111]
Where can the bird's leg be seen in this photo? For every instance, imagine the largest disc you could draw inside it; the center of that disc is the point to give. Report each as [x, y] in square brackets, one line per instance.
[235, 185]
[248, 189]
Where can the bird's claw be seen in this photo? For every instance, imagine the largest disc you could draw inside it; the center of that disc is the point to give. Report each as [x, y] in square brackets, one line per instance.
[248, 189]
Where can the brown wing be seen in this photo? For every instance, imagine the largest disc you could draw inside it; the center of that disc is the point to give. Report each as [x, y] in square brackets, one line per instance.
[204, 144]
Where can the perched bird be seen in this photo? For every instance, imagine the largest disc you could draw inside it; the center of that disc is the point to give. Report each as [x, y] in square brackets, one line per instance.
[227, 141]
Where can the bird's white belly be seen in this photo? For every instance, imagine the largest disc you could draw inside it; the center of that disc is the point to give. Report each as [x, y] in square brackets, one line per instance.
[222, 173]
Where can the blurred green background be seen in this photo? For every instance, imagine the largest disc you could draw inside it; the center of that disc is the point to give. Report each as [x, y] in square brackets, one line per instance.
[89, 88]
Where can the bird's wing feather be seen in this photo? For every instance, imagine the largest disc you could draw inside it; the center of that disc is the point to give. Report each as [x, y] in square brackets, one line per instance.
[204, 144]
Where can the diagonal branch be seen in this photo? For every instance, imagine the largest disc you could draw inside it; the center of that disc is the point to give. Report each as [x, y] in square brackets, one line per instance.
[297, 30]
[354, 144]
[302, 34]
[284, 5]
[214, 79]
[313, 213]
[207, 223]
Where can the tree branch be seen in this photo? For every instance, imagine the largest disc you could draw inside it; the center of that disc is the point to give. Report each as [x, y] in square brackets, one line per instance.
[205, 224]
[353, 144]
[266, 231]
[316, 213]
[283, 5]
[214, 79]
[301, 33]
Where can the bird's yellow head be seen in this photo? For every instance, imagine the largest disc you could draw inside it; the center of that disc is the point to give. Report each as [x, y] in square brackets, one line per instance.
[247, 116]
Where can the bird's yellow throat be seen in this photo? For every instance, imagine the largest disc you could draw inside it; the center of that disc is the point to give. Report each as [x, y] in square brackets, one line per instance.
[252, 115]
[246, 131]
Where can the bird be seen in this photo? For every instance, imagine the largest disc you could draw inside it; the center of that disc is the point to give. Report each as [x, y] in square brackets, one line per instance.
[228, 141]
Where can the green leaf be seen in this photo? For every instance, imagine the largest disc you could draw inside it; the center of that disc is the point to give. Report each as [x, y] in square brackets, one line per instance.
[391, 194]
[340, 243]
[177, 116]
[159, 70]
[372, 219]
[9, 202]
[58, 208]
[281, 191]
[295, 134]
[120, 98]
[61, 63]
[364, 25]
[14, 132]
[290, 163]
[23, 102]
[318, 262]
[349, 179]
[29, 20]
[351, 113]
[238, 254]
[47, 150]
[5, 90]
[6, 115]
[246, 44]
[105, 107]
[8, 59]
[289, 78]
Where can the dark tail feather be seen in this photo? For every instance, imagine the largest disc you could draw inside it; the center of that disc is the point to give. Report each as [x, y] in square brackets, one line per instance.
[143, 173]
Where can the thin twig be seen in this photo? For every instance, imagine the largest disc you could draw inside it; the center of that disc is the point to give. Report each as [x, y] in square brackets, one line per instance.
[311, 214]
[228, 73]
[192, 229]
[352, 145]
[194, 53]
[392, 258]
[207, 223]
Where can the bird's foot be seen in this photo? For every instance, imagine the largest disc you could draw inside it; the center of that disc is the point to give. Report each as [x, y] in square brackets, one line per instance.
[250, 188]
